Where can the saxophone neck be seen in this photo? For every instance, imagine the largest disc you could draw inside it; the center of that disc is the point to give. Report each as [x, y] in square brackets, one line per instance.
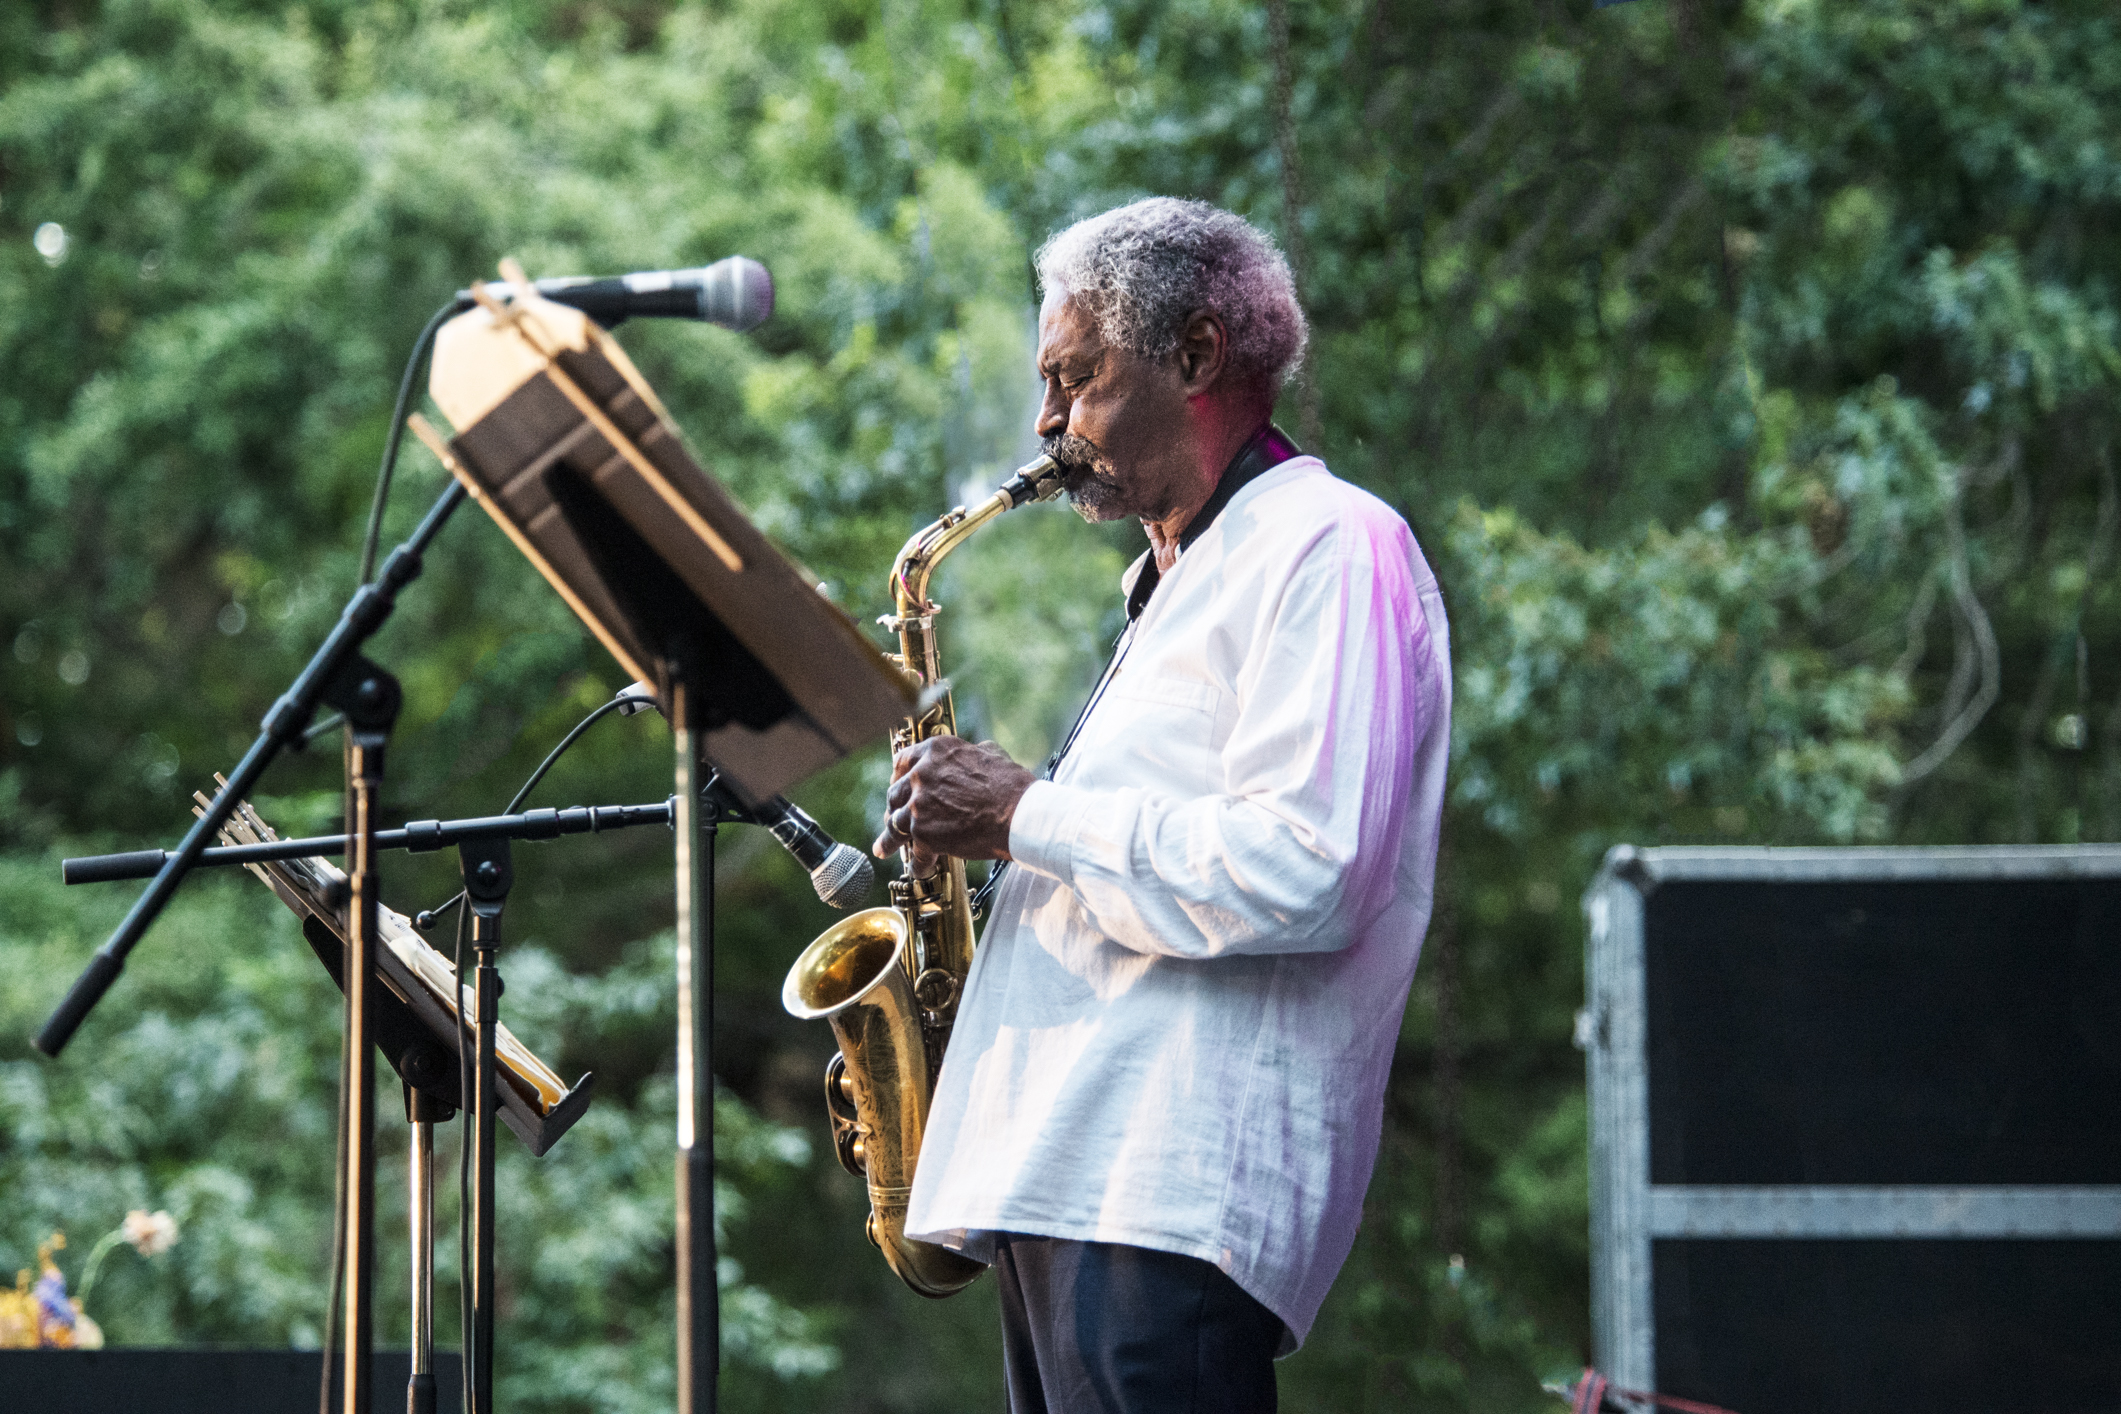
[1040, 480]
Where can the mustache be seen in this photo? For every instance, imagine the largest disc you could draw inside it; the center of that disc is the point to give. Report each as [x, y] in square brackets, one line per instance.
[1075, 454]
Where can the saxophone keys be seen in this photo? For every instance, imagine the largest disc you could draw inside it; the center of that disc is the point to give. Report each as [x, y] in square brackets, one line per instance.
[936, 990]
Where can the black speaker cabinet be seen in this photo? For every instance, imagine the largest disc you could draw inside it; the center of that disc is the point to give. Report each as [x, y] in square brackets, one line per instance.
[1856, 1127]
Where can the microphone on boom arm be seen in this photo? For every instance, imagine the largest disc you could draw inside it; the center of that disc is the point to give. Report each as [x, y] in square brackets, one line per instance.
[840, 873]
[735, 293]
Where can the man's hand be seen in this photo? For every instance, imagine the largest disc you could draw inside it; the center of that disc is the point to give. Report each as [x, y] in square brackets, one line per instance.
[950, 797]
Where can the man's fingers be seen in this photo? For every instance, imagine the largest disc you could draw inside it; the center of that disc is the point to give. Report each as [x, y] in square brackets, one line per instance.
[905, 760]
[897, 796]
[906, 769]
[898, 823]
[949, 782]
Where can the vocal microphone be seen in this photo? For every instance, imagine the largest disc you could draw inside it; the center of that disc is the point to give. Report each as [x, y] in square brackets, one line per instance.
[735, 293]
[840, 873]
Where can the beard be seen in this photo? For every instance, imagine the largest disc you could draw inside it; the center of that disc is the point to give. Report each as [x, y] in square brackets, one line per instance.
[1093, 489]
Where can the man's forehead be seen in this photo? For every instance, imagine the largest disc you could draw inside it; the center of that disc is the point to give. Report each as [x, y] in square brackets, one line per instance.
[1065, 327]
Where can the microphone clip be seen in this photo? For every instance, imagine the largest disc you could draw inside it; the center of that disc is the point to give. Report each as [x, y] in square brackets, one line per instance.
[719, 804]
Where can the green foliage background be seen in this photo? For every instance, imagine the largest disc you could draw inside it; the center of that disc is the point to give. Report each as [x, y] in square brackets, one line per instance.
[1746, 366]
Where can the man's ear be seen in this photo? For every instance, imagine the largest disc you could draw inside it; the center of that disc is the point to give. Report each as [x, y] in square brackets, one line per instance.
[1203, 352]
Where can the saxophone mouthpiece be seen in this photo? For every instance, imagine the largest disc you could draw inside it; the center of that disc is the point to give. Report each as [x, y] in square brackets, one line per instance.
[1041, 480]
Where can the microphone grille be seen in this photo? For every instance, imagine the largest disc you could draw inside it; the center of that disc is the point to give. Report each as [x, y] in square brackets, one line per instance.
[844, 878]
[736, 293]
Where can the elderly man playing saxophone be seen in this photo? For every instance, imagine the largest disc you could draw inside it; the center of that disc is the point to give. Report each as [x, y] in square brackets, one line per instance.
[1162, 1101]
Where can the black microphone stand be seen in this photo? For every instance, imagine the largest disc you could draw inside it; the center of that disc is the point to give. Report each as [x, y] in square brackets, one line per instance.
[370, 699]
[701, 809]
[483, 847]
[340, 676]
[488, 873]
[336, 674]
[416, 836]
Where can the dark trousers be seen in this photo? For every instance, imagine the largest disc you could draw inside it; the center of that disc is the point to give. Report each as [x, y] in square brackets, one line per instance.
[1100, 1328]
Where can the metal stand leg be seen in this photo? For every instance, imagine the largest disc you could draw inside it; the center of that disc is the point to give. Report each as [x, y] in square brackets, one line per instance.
[699, 1300]
[369, 697]
[424, 1113]
[487, 876]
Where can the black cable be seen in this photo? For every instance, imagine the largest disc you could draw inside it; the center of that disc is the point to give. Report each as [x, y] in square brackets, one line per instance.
[427, 917]
[466, 1040]
[370, 541]
[566, 741]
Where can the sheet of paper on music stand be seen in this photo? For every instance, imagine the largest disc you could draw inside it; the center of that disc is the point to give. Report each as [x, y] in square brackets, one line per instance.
[566, 446]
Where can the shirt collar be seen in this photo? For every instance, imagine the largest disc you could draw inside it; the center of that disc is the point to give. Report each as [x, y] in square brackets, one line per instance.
[1262, 452]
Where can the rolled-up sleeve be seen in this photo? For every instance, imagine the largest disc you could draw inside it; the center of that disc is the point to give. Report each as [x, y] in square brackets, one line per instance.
[1297, 850]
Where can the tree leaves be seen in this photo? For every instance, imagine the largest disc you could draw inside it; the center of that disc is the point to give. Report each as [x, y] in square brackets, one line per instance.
[1747, 369]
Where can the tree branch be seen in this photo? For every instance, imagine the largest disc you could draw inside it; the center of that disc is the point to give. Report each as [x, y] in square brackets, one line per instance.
[1984, 642]
[1308, 429]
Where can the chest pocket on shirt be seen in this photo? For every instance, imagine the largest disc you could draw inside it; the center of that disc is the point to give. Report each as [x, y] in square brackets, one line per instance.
[1154, 706]
[1168, 692]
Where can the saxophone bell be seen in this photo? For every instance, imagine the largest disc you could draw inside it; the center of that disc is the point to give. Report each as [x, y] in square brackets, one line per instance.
[855, 976]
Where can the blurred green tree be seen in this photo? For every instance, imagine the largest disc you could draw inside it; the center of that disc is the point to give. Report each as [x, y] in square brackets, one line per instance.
[1747, 367]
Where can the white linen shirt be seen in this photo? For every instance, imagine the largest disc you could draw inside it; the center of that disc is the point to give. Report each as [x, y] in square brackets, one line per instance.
[1177, 1027]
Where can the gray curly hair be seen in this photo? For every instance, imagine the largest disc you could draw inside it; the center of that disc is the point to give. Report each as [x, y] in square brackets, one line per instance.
[1140, 270]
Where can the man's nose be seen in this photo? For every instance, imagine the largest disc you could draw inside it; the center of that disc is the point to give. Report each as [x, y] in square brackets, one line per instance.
[1052, 412]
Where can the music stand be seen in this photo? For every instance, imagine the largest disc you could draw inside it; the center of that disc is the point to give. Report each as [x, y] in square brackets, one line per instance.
[417, 1028]
[565, 445]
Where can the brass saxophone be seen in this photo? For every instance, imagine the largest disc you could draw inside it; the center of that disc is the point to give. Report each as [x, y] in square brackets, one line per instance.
[888, 979]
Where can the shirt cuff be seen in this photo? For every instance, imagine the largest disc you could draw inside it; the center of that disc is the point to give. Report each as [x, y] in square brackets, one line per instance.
[1042, 832]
